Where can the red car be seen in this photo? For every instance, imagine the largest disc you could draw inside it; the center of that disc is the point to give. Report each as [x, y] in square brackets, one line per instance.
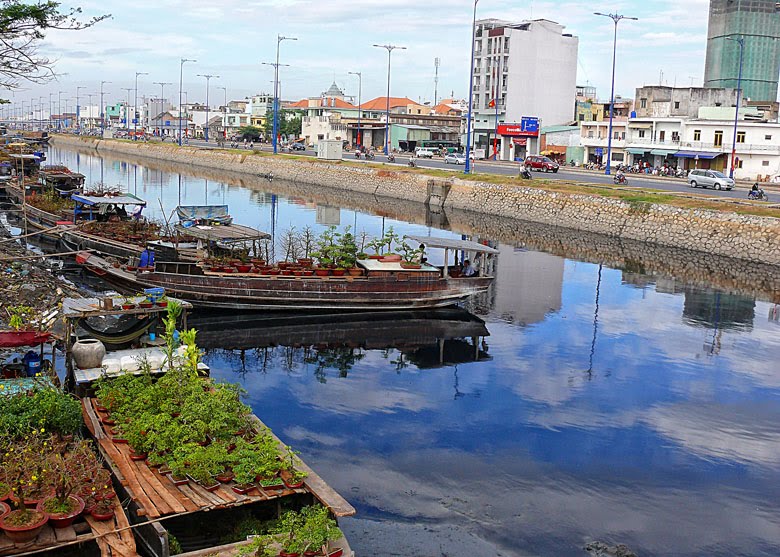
[541, 164]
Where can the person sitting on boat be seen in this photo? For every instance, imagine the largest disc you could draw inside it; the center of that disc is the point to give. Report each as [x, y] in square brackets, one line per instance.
[137, 212]
[468, 270]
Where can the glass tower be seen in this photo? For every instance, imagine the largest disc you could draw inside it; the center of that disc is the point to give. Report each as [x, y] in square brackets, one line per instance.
[758, 22]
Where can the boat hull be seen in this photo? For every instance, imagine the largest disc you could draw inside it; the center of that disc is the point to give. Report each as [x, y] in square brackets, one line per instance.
[281, 293]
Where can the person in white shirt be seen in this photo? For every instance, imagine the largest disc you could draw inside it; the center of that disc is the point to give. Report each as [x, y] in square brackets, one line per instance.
[468, 270]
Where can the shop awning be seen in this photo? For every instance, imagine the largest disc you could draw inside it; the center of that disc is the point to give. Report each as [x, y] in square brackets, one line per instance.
[635, 151]
[694, 155]
[662, 152]
[640, 125]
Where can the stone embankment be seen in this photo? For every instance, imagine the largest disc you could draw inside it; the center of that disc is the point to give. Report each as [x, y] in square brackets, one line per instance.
[722, 233]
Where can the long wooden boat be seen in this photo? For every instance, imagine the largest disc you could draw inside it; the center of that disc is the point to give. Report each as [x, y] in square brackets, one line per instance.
[383, 286]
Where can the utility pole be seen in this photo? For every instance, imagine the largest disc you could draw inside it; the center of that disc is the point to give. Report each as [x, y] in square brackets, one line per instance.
[206, 127]
[162, 85]
[181, 80]
[78, 111]
[436, 63]
[135, 107]
[360, 93]
[102, 110]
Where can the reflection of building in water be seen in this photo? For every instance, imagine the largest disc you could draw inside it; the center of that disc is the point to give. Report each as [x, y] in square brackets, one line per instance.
[261, 198]
[718, 310]
[330, 216]
[528, 285]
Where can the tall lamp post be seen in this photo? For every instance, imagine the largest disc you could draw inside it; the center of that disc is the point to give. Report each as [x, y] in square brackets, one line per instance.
[127, 108]
[279, 39]
[59, 110]
[390, 48]
[162, 85]
[181, 79]
[224, 118]
[78, 111]
[135, 106]
[40, 122]
[51, 110]
[102, 110]
[89, 110]
[467, 168]
[615, 18]
[360, 92]
[741, 42]
[206, 127]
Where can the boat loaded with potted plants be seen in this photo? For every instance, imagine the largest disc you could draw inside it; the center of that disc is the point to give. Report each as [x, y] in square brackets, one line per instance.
[331, 272]
[183, 444]
[54, 489]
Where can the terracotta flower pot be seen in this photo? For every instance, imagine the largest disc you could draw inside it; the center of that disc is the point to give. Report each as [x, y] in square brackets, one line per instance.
[243, 489]
[320, 272]
[355, 272]
[225, 477]
[24, 533]
[375, 256]
[244, 268]
[339, 272]
[391, 258]
[102, 516]
[63, 520]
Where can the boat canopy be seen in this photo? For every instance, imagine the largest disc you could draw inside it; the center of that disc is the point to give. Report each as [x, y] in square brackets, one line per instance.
[224, 234]
[124, 199]
[451, 243]
[190, 215]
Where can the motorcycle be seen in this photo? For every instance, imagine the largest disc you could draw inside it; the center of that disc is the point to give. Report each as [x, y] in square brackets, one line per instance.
[620, 179]
[391, 157]
[357, 154]
[369, 156]
[758, 195]
[412, 163]
[525, 173]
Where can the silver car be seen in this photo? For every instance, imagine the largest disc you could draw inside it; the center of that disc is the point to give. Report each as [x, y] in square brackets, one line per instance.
[709, 179]
[455, 158]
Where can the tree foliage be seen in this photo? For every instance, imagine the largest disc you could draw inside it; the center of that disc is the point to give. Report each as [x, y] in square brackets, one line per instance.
[290, 122]
[22, 27]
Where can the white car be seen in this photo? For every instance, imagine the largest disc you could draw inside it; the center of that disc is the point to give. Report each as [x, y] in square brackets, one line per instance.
[424, 152]
[455, 158]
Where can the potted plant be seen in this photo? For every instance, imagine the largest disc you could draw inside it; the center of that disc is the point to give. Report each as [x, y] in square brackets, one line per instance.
[64, 506]
[376, 244]
[163, 302]
[103, 510]
[293, 477]
[306, 240]
[316, 529]
[145, 302]
[412, 257]
[388, 240]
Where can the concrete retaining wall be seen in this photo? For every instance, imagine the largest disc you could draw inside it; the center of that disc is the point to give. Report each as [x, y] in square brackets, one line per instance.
[720, 233]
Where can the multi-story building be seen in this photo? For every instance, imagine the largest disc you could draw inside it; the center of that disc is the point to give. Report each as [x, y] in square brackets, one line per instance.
[659, 101]
[758, 23]
[521, 70]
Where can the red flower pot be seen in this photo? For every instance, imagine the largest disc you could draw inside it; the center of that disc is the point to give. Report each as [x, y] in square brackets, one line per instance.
[128, 306]
[244, 268]
[375, 256]
[355, 272]
[146, 305]
[102, 516]
[27, 532]
[137, 456]
[287, 272]
[63, 520]
[320, 272]
[243, 489]
[339, 272]
[283, 553]
[308, 272]
[225, 477]
[291, 485]
[338, 552]
[227, 269]
[392, 258]
[162, 304]
[274, 272]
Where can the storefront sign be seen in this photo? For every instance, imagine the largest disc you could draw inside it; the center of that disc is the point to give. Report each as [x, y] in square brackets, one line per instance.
[520, 142]
[524, 129]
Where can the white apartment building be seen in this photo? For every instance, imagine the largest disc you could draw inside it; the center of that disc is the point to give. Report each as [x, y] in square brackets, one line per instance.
[521, 70]
[703, 142]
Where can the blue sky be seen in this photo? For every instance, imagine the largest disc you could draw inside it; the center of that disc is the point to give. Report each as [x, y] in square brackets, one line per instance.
[231, 38]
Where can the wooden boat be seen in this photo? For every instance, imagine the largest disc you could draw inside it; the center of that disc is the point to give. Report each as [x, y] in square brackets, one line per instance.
[383, 286]
[61, 179]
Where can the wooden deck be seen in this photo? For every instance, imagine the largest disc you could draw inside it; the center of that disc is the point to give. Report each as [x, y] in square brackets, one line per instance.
[156, 496]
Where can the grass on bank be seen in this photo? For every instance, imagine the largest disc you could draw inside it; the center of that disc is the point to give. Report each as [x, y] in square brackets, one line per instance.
[638, 197]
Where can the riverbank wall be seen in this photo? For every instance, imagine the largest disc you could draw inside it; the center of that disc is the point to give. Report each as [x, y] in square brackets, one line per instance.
[723, 233]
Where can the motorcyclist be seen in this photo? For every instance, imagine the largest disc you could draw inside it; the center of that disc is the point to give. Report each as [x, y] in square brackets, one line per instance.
[525, 172]
[620, 178]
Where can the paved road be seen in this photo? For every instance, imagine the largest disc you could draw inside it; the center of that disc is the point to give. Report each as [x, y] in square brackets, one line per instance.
[510, 169]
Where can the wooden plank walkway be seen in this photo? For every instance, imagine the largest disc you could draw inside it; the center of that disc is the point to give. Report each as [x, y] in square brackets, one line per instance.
[156, 496]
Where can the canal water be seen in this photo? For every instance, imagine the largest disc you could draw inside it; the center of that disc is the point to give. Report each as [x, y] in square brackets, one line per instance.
[574, 403]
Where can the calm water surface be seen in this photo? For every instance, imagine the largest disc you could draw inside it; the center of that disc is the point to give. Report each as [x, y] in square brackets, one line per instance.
[591, 404]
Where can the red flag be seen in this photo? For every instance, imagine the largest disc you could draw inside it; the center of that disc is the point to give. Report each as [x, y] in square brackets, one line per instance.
[492, 103]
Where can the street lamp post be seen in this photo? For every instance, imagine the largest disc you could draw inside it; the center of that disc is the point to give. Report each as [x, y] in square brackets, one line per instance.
[78, 111]
[616, 19]
[279, 39]
[208, 80]
[467, 168]
[40, 107]
[135, 106]
[127, 108]
[59, 110]
[162, 85]
[51, 110]
[224, 118]
[390, 48]
[102, 110]
[741, 42]
[181, 79]
[360, 92]
[89, 110]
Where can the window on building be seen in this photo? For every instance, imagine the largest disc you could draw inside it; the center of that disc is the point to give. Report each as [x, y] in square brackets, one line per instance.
[642, 103]
[697, 135]
[676, 105]
[590, 134]
[662, 136]
[617, 157]
[581, 117]
[740, 137]
[675, 136]
[616, 135]
[763, 163]
[641, 134]
[718, 138]
[767, 138]
[739, 163]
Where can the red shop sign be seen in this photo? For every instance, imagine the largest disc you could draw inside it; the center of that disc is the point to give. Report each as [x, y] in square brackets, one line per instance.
[515, 130]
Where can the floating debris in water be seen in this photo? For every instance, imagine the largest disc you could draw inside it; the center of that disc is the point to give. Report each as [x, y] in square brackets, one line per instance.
[600, 549]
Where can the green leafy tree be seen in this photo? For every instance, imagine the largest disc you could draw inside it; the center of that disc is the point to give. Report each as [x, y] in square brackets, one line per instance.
[23, 26]
[250, 132]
